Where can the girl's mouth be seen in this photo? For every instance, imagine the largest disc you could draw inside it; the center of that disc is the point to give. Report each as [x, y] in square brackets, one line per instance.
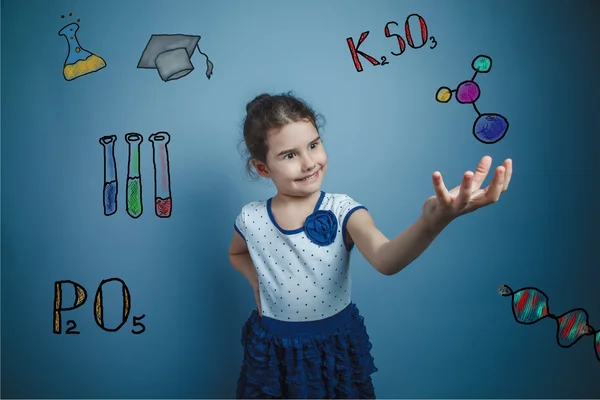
[309, 178]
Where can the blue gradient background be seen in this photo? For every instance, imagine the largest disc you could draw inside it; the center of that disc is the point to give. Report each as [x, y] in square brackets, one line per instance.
[439, 328]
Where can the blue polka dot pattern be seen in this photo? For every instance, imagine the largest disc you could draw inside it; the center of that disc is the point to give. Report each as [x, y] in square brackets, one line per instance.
[299, 280]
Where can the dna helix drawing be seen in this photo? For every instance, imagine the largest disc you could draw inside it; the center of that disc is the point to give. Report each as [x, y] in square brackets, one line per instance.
[531, 305]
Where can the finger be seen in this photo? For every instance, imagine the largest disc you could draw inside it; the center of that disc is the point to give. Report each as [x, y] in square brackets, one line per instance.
[481, 172]
[476, 194]
[464, 195]
[507, 174]
[454, 191]
[441, 192]
[495, 189]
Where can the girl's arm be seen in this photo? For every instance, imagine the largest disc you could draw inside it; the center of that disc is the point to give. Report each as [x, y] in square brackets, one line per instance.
[390, 256]
[241, 260]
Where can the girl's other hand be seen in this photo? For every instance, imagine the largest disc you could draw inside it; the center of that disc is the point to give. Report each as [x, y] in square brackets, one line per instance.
[467, 197]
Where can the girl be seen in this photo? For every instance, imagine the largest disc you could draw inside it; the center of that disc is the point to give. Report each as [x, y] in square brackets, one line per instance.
[307, 339]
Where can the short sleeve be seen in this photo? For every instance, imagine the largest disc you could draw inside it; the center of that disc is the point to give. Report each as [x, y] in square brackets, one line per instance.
[346, 206]
[240, 224]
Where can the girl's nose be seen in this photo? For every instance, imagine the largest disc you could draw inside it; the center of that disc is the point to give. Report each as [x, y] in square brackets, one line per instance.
[308, 163]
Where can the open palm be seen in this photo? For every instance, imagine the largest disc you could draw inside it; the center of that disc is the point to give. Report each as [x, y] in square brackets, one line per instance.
[468, 196]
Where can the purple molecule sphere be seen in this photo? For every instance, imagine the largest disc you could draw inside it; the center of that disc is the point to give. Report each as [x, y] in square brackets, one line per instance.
[490, 128]
[468, 92]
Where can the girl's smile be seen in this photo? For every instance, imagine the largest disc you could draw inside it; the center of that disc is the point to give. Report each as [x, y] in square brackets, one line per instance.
[309, 178]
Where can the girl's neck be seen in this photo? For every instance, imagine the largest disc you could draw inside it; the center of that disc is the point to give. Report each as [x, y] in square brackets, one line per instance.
[284, 200]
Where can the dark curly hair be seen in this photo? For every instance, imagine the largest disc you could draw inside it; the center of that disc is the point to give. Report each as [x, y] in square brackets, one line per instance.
[266, 112]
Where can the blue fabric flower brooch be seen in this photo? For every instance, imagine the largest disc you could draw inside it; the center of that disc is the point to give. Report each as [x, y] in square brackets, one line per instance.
[321, 227]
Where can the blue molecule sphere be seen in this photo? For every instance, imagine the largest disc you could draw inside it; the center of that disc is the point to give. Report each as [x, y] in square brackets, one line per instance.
[482, 64]
[490, 128]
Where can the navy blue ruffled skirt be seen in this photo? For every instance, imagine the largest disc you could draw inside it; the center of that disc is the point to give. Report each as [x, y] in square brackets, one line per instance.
[324, 359]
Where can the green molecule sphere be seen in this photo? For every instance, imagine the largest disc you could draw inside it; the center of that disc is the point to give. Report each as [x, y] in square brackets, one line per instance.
[482, 64]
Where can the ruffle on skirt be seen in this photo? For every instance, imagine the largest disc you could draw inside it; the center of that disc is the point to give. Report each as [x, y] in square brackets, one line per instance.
[333, 364]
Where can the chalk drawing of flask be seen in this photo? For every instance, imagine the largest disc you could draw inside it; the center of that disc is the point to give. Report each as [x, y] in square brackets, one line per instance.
[79, 61]
[134, 178]
[162, 177]
[111, 186]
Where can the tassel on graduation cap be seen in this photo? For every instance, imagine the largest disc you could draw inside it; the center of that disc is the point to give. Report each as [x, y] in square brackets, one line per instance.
[170, 55]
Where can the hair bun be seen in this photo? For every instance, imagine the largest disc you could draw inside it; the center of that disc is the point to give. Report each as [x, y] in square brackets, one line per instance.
[257, 102]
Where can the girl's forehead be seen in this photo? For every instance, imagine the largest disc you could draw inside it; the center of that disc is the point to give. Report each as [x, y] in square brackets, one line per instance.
[295, 134]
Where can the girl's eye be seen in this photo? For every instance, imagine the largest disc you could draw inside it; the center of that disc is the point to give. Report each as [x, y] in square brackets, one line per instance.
[288, 154]
[312, 146]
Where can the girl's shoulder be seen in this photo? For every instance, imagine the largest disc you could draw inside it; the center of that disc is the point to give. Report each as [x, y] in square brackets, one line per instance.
[254, 206]
[338, 200]
[257, 203]
[339, 196]
[341, 205]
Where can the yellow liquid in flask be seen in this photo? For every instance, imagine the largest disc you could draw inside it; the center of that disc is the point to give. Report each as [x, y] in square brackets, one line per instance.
[79, 61]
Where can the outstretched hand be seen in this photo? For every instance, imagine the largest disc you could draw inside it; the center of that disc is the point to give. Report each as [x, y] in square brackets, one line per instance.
[467, 197]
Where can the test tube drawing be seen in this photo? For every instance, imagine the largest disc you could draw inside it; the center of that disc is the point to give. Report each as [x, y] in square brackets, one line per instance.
[111, 186]
[134, 178]
[162, 177]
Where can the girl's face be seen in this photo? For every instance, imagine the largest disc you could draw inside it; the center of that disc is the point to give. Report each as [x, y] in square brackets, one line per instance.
[296, 159]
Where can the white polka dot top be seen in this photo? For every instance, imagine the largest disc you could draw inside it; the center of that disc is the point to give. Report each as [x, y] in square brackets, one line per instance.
[303, 274]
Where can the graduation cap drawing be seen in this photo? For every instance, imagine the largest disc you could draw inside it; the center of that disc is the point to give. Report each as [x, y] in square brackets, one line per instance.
[171, 56]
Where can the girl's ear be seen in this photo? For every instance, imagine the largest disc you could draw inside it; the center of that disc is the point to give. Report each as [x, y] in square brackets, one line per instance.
[261, 168]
